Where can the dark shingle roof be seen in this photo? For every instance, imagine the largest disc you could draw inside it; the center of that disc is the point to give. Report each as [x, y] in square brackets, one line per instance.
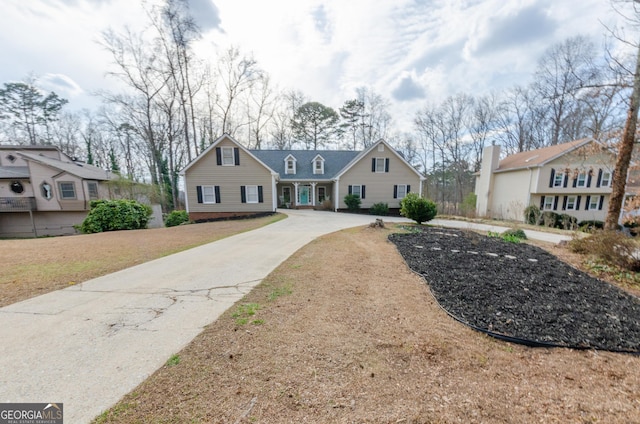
[334, 162]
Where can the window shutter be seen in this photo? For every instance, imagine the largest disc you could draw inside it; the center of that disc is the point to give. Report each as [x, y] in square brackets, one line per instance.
[599, 178]
[555, 203]
[386, 165]
[575, 182]
[236, 155]
[564, 203]
[541, 202]
[217, 191]
[350, 190]
[578, 203]
[243, 194]
[218, 155]
[588, 180]
[373, 164]
[260, 198]
[553, 175]
[408, 188]
[362, 192]
[566, 180]
[586, 206]
[199, 191]
[601, 203]
[395, 191]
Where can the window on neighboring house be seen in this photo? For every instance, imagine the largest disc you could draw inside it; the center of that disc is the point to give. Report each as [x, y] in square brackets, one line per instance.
[67, 190]
[356, 190]
[322, 194]
[581, 180]
[400, 191]
[17, 187]
[46, 190]
[251, 194]
[290, 165]
[594, 203]
[606, 179]
[318, 167]
[379, 165]
[208, 194]
[571, 203]
[558, 179]
[92, 187]
[228, 156]
[548, 203]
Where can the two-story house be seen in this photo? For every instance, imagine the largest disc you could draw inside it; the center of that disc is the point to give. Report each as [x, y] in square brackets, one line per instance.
[44, 192]
[571, 178]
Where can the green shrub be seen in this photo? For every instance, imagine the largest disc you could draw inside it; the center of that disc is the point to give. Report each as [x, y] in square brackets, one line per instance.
[612, 247]
[176, 218]
[532, 215]
[353, 202]
[568, 222]
[517, 233]
[550, 219]
[113, 215]
[381, 209]
[590, 225]
[418, 208]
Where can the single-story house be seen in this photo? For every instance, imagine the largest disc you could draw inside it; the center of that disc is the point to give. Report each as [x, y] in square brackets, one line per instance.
[572, 178]
[44, 192]
[228, 180]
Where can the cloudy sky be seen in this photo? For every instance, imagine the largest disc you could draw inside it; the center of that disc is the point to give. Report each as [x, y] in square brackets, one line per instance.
[410, 51]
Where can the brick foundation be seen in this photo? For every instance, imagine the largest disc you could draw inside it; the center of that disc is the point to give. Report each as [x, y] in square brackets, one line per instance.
[221, 216]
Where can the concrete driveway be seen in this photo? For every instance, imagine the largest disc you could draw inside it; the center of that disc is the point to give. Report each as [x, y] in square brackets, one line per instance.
[88, 345]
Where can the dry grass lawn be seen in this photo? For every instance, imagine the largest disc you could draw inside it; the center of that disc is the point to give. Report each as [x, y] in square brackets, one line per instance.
[341, 332]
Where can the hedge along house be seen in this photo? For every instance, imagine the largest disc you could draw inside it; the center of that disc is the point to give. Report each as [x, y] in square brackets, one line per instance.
[227, 180]
[571, 178]
[44, 192]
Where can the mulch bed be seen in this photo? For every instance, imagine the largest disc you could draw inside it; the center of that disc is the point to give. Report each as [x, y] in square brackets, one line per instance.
[521, 292]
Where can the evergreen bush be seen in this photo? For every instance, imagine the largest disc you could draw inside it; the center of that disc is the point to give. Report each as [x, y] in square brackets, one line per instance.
[353, 202]
[114, 215]
[381, 209]
[176, 218]
[418, 208]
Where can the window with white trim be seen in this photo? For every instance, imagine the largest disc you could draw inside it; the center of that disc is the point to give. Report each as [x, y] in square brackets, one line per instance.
[558, 179]
[228, 156]
[402, 191]
[67, 190]
[581, 180]
[318, 167]
[594, 203]
[356, 190]
[380, 164]
[252, 193]
[571, 203]
[208, 194]
[92, 188]
[548, 203]
[606, 179]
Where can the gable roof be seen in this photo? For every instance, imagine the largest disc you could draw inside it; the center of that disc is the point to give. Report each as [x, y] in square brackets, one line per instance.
[373, 146]
[540, 157]
[79, 169]
[334, 162]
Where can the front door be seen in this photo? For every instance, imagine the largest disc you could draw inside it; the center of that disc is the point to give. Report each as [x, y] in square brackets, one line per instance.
[304, 195]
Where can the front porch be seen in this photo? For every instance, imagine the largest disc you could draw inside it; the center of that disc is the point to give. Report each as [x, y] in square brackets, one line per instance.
[305, 195]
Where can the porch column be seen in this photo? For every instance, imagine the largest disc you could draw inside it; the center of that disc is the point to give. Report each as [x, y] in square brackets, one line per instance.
[295, 196]
[313, 194]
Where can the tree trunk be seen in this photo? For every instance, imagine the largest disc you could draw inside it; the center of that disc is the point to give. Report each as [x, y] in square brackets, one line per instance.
[624, 154]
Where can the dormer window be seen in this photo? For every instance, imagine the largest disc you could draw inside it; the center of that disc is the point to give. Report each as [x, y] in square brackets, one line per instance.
[318, 165]
[290, 165]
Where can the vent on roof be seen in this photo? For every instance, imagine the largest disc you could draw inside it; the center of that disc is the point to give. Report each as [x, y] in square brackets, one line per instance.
[531, 158]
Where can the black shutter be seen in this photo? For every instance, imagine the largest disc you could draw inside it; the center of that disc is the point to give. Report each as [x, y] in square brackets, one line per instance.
[555, 203]
[199, 191]
[236, 155]
[578, 203]
[217, 191]
[553, 175]
[566, 180]
[601, 203]
[243, 194]
[350, 189]
[564, 203]
[362, 192]
[386, 165]
[218, 155]
[408, 188]
[599, 178]
[575, 182]
[589, 180]
[395, 191]
[586, 205]
[541, 202]
[373, 164]
[260, 198]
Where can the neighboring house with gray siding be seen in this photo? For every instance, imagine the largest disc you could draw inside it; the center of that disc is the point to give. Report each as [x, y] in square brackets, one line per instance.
[44, 192]
[293, 179]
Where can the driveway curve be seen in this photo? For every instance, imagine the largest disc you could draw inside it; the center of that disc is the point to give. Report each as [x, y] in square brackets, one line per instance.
[88, 345]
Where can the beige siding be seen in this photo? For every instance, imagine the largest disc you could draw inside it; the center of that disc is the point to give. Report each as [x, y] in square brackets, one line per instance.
[510, 194]
[250, 172]
[379, 185]
[560, 165]
[14, 224]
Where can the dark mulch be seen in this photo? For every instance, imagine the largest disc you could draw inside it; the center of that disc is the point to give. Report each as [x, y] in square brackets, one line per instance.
[521, 291]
